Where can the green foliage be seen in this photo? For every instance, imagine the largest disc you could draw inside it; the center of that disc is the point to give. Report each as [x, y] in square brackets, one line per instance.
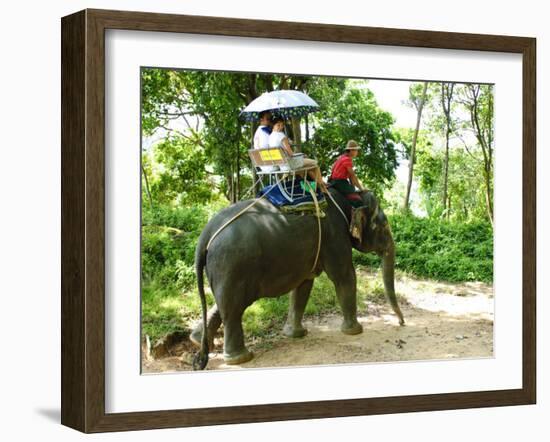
[465, 184]
[449, 251]
[404, 137]
[215, 99]
[161, 310]
[439, 93]
[392, 199]
[208, 104]
[178, 172]
[169, 238]
[161, 95]
[185, 275]
[470, 175]
[416, 94]
[165, 308]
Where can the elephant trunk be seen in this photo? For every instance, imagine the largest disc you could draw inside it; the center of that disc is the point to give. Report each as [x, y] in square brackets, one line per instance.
[388, 275]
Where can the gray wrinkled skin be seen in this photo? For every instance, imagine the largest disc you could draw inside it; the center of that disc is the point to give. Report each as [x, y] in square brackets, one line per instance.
[266, 253]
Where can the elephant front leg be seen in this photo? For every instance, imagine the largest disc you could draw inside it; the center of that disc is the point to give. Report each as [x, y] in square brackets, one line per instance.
[346, 291]
[213, 320]
[297, 305]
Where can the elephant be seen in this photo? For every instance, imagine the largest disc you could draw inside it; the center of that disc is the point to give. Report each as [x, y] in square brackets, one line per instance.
[265, 252]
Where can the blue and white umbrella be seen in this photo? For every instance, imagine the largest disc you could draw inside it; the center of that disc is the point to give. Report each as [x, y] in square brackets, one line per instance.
[283, 103]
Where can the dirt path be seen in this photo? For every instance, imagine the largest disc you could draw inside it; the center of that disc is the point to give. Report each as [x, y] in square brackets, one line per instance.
[443, 321]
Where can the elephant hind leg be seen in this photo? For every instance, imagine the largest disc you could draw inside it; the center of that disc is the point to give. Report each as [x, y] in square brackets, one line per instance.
[234, 350]
[214, 321]
[232, 300]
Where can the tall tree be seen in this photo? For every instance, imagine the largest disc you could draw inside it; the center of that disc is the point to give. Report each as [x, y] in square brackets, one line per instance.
[446, 101]
[417, 100]
[478, 100]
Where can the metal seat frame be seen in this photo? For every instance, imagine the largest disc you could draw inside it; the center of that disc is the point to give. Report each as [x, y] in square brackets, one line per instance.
[274, 163]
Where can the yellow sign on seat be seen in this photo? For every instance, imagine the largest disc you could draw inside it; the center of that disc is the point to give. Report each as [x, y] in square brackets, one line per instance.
[270, 155]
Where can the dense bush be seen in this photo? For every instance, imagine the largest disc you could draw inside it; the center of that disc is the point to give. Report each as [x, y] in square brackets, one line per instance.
[441, 250]
[169, 237]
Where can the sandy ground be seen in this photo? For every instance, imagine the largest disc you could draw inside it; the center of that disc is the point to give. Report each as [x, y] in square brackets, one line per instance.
[443, 321]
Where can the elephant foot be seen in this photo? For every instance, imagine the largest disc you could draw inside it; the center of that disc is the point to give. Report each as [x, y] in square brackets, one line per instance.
[238, 358]
[294, 332]
[351, 329]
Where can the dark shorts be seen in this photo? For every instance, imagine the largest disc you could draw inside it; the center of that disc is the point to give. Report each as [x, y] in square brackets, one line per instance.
[346, 188]
[343, 186]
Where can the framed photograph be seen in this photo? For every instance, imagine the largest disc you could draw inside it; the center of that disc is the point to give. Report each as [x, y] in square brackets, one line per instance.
[267, 221]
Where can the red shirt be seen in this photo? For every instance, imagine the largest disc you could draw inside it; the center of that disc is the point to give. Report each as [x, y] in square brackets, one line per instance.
[340, 168]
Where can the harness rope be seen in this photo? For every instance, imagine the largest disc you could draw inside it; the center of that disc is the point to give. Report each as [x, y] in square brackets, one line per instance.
[339, 208]
[251, 188]
[318, 214]
[224, 225]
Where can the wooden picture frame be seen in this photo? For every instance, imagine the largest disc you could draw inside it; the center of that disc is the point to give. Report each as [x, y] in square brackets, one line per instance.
[83, 220]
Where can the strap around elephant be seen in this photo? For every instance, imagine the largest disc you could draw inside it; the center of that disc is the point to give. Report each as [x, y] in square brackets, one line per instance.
[339, 208]
[318, 214]
[224, 225]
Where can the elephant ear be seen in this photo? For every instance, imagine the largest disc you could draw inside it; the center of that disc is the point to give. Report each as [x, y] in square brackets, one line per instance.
[358, 219]
[372, 209]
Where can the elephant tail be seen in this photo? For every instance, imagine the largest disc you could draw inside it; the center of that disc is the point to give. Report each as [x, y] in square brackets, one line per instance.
[201, 358]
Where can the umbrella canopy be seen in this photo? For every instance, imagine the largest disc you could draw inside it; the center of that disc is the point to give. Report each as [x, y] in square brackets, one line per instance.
[283, 103]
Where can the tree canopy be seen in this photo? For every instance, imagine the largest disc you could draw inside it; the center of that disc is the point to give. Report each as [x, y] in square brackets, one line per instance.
[207, 105]
[198, 146]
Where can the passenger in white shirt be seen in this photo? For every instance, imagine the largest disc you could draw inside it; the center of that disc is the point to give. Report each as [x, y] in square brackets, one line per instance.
[278, 138]
[261, 136]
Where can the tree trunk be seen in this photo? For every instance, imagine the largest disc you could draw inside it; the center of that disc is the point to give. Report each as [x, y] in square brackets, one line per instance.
[485, 141]
[230, 187]
[147, 186]
[413, 147]
[446, 98]
[238, 168]
[488, 196]
[238, 176]
[446, 169]
[256, 189]
[296, 134]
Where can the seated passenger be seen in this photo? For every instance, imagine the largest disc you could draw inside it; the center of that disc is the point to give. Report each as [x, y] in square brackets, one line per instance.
[278, 138]
[261, 136]
[343, 177]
